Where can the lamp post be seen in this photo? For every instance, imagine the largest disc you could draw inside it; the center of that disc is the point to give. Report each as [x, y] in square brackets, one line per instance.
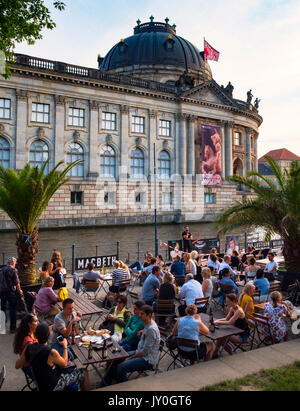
[155, 203]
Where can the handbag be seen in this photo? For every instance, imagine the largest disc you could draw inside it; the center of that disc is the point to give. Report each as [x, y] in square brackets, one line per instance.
[62, 294]
[171, 342]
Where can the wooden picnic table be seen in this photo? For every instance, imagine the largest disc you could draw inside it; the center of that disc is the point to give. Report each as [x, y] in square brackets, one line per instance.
[85, 306]
[278, 259]
[97, 360]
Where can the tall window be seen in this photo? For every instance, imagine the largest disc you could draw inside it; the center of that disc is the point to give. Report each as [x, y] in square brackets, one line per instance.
[237, 138]
[164, 165]
[76, 117]
[109, 121]
[40, 113]
[4, 153]
[138, 124]
[39, 153]
[75, 152]
[164, 128]
[107, 161]
[5, 107]
[137, 163]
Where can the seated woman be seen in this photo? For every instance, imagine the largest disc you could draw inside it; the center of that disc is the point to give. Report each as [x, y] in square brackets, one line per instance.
[188, 327]
[236, 316]
[125, 267]
[190, 266]
[167, 291]
[275, 311]
[44, 272]
[25, 335]
[134, 325]
[57, 271]
[160, 261]
[246, 299]
[207, 285]
[251, 270]
[262, 284]
[117, 318]
[213, 262]
[46, 299]
[235, 260]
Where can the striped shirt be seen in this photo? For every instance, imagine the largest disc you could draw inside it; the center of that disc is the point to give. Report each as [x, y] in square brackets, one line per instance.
[120, 274]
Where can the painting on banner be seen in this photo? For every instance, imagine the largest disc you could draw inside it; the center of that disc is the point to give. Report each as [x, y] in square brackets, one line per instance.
[232, 243]
[211, 156]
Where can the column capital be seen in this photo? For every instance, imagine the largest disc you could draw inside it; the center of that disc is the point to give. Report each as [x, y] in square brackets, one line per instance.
[249, 130]
[181, 116]
[94, 105]
[60, 100]
[124, 109]
[229, 123]
[22, 94]
[192, 118]
[153, 113]
[221, 123]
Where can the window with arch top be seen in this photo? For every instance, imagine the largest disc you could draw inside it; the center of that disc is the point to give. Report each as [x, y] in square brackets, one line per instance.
[137, 163]
[75, 152]
[107, 161]
[164, 164]
[38, 154]
[4, 153]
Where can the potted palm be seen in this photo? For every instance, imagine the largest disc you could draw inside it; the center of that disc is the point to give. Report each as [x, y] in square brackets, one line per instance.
[276, 208]
[24, 195]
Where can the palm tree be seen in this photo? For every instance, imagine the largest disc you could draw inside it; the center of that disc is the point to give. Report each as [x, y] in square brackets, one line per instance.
[24, 195]
[276, 208]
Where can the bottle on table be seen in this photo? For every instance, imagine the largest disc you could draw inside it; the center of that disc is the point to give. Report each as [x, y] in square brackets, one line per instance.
[104, 270]
[211, 321]
[73, 334]
[91, 351]
[104, 349]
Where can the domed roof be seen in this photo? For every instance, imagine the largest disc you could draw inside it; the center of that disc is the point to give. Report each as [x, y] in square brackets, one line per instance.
[153, 43]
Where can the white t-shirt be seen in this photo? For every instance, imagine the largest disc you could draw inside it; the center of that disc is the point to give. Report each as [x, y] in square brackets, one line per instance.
[191, 291]
[271, 265]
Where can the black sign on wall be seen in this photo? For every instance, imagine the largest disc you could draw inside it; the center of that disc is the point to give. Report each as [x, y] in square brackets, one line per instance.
[102, 261]
[204, 246]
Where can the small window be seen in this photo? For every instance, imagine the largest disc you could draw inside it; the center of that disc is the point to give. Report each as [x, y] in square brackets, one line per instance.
[106, 197]
[237, 139]
[210, 198]
[138, 124]
[165, 128]
[76, 197]
[5, 108]
[109, 121]
[138, 198]
[40, 113]
[164, 165]
[75, 152]
[76, 117]
[137, 163]
[167, 199]
[39, 154]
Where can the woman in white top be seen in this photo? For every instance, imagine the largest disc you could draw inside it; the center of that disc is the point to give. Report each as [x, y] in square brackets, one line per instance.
[207, 285]
[213, 262]
[190, 266]
[251, 270]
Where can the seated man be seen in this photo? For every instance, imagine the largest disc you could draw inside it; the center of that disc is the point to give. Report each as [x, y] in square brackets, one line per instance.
[271, 267]
[147, 270]
[190, 291]
[145, 357]
[263, 285]
[226, 280]
[49, 367]
[226, 264]
[91, 275]
[63, 324]
[178, 270]
[134, 325]
[151, 286]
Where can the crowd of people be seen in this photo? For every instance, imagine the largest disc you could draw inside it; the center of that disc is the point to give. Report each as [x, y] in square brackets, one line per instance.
[187, 279]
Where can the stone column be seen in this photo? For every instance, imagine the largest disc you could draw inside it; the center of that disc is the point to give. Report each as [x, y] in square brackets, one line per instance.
[191, 145]
[124, 141]
[151, 140]
[94, 161]
[59, 128]
[176, 143]
[248, 149]
[182, 144]
[228, 148]
[255, 152]
[21, 124]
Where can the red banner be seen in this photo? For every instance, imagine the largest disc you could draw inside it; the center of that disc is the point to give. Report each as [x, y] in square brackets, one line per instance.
[210, 53]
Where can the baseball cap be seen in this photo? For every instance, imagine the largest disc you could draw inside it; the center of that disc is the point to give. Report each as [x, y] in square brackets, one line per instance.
[11, 260]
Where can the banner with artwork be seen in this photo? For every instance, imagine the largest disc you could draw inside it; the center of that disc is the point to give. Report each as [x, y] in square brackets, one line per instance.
[211, 156]
[232, 243]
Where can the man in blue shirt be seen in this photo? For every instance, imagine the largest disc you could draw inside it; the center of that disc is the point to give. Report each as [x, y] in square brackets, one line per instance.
[226, 280]
[151, 285]
[225, 264]
[178, 270]
[263, 285]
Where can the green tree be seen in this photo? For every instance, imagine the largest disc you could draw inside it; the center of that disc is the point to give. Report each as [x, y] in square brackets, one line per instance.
[23, 20]
[24, 195]
[276, 208]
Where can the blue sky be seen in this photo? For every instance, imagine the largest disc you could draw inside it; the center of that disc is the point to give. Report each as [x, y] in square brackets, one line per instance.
[258, 42]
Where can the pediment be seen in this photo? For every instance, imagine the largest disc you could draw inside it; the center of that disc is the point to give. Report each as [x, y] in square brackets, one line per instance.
[210, 92]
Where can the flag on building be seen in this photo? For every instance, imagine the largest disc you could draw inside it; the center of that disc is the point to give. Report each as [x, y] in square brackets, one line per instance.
[209, 52]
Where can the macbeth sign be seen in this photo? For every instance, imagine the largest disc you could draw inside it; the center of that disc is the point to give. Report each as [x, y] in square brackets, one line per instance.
[104, 261]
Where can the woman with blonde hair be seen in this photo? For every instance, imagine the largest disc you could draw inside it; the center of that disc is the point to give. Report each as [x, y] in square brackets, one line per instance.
[190, 266]
[207, 285]
[246, 299]
[123, 265]
[275, 311]
[57, 270]
[167, 291]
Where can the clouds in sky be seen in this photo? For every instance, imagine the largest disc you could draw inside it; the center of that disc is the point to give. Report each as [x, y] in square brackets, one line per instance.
[258, 42]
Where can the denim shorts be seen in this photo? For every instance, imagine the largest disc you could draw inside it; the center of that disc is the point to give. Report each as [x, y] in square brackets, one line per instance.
[243, 338]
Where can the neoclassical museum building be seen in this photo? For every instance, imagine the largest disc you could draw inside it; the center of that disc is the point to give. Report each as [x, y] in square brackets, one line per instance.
[148, 102]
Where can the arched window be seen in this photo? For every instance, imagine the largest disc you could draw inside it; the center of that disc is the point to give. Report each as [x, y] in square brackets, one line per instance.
[75, 152]
[164, 164]
[137, 163]
[4, 153]
[39, 153]
[107, 161]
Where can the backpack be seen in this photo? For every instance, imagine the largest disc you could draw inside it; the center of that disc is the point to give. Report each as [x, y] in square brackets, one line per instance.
[3, 282]
[62, 294]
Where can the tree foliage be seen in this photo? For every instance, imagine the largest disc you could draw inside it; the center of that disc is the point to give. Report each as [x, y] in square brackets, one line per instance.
[23, 20]
[276, 208]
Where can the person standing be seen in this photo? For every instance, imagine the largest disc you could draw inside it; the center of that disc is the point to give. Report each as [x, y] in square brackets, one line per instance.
[187, 239]
[9, 289]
